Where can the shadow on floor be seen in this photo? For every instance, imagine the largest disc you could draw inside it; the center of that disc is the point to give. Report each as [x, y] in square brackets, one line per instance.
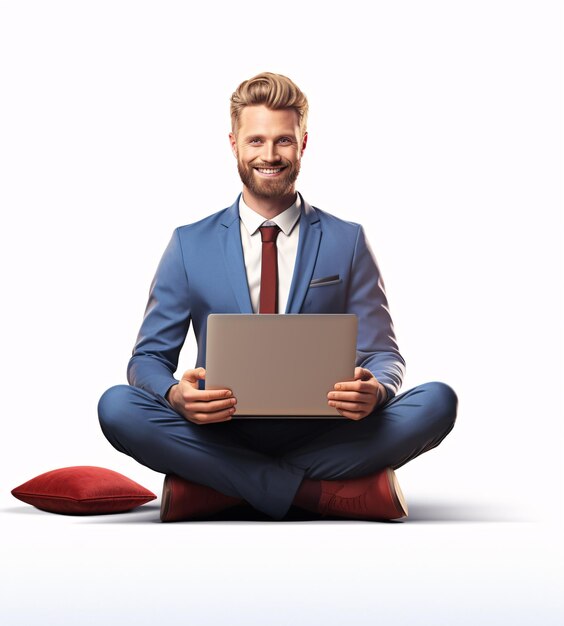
[420, 512]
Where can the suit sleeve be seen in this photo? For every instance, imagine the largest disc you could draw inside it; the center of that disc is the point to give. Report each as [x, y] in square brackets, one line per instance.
[377, 349]
[165, 325]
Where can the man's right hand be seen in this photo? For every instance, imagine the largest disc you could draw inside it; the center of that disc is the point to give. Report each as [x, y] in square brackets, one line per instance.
[200, 406]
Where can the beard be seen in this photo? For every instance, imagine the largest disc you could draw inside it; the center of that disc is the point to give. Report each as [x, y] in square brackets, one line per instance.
[269, 187]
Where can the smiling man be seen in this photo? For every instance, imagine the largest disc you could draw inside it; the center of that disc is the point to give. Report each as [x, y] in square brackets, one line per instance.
[268, 145]
[313, 262]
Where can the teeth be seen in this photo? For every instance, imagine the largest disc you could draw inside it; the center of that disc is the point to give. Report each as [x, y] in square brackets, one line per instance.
[263, 170]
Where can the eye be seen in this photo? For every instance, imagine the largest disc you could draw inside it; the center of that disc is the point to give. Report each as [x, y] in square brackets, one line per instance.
[284, 140]
[255, 140]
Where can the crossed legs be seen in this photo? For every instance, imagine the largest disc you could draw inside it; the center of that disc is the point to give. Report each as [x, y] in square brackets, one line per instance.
[265, 461]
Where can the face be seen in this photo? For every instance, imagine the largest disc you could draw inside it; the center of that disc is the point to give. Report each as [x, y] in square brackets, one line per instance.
[268, 147]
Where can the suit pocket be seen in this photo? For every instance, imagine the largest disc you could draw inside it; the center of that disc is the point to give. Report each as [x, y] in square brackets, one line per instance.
[326, 280]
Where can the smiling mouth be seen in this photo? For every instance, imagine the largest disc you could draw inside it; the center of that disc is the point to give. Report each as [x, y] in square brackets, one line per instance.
[269, 170]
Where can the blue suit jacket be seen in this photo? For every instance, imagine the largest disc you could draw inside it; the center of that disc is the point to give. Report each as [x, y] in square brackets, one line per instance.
[203, 271]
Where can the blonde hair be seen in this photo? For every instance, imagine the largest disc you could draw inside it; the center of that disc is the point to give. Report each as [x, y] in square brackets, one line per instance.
[274, 91]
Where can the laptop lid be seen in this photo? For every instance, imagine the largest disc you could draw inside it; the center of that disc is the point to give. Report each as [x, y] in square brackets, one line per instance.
[280, 365]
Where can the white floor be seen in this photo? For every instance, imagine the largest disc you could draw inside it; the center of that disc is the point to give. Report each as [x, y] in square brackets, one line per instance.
[453, 562]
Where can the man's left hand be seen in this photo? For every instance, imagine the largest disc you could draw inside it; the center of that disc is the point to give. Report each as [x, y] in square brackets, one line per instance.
[358, 398]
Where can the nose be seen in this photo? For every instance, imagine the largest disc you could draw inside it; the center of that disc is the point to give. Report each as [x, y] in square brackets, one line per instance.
[270, 152]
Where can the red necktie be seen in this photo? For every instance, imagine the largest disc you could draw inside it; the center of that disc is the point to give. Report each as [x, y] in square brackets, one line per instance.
[269, 270]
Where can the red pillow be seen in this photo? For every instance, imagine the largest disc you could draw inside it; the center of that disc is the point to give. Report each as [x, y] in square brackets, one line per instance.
[83, 490]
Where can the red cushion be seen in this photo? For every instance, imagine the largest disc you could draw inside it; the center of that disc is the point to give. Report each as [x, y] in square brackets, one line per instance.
[83, 490]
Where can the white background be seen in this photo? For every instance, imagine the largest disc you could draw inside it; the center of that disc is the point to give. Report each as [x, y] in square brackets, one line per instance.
[437, 125]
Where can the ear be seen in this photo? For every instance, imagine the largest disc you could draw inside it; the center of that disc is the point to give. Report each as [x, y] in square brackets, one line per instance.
[304, 144]
[233, 142]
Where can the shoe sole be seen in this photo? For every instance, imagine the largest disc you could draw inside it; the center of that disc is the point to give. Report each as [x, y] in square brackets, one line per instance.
[165, 500]
[396, 493]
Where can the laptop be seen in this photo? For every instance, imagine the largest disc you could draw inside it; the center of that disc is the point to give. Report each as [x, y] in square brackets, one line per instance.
[280, 366]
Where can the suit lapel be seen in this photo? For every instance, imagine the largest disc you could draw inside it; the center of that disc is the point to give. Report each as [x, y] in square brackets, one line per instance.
[230, 234]
[308, 246]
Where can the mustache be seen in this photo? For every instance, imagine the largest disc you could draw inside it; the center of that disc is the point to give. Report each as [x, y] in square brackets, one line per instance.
[271, 165]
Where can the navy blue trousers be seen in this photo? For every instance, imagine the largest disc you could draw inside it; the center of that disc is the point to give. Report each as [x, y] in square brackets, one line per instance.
[264, 461]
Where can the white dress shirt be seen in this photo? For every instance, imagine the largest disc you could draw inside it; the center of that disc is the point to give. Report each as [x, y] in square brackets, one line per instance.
[286, 243]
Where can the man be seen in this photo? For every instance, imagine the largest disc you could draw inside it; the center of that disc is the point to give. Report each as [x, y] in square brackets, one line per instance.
[341, 468]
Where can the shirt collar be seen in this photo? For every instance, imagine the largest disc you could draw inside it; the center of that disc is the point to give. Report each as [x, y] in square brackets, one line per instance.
[285, 220]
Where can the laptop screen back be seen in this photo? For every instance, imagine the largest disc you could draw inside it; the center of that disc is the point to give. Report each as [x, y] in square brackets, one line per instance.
[280, 365]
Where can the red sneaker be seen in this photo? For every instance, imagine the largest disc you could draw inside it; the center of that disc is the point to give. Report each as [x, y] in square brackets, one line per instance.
[375, 497]
[185, 500]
